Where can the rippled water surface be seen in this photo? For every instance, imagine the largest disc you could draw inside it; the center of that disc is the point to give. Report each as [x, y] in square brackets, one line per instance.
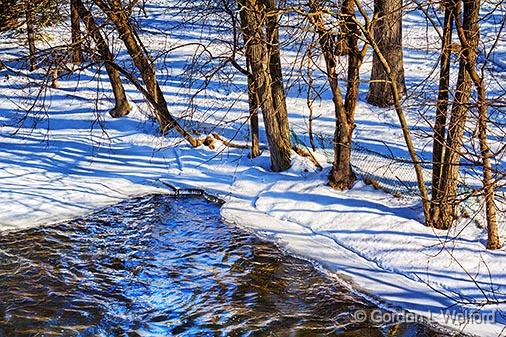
[163, 266]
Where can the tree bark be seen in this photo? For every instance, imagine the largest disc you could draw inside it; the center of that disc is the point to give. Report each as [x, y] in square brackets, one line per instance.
[309, 100]
[400, 114]
[388, 36]
[488, 179]
[486, 154]
[30, 31]
[77, 53]
[122, 107]
[252, 22]
[118, 15]
[355, 58]
[443, 215]
[253, 116]
[341, 175]
[438, 145]
[275, 68]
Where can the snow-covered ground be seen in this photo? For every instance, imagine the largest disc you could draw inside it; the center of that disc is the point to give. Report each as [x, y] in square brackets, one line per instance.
[69, 158]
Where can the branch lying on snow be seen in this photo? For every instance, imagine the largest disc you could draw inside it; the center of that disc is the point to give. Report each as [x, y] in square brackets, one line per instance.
[298, 149]
[307, 154]
[228, 142]
[195, 142]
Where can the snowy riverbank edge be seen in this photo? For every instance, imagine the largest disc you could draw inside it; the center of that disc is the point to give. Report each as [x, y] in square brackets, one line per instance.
[391, 290]
[342, 271]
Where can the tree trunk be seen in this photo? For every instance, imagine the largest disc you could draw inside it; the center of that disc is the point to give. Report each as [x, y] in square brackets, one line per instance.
[402, 119]
[275, 68]
[388, 37]
[488, 180]
[472, 12]
[252, 16]
[118, 15]
[121, 107]
[438, 145]
[309, 100]
[443, 215]
[30, 31]
[77, 54]
[341, 175]
[342, 47]
[355, 58]
[253, 116]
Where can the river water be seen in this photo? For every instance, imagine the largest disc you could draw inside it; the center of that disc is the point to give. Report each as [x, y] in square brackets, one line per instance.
[164, 266]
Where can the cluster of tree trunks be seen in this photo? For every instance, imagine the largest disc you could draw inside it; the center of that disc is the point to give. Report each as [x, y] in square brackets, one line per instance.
[259, 23]
[120, 17]
[448, 137]
[444, 198]
[121, 107]
[259, 26]
[341, 175]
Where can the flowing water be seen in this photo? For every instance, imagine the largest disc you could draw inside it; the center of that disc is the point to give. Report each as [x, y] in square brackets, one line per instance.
[164, 266]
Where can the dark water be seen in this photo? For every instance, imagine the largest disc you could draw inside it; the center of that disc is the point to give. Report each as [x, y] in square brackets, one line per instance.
[160, 266]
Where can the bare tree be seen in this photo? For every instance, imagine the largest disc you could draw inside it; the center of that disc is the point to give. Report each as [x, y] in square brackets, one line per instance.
[122, 107]
[275, 68]
[115, 12]
[471, 17]
[443, 210]
[442, 108]
[341, 176]
[253, 20]
[392, 80]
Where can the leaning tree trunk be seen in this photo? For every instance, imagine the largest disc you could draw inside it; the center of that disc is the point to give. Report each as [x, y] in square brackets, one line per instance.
[252, 16]
[442, 108]
[388, 37]
[77, 54]
[115, 12]
[443, 214]
[118, 15]
[121, 107]
[402, 118]
[30, 31]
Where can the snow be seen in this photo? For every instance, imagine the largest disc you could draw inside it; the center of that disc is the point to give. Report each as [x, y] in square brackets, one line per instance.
[70, 158]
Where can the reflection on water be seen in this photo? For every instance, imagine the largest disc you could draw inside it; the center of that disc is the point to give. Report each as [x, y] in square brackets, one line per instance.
[160, 266]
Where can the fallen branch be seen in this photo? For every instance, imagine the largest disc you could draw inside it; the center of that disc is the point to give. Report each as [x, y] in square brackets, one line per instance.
[298, 149]
[229, 143]
[307, 154]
